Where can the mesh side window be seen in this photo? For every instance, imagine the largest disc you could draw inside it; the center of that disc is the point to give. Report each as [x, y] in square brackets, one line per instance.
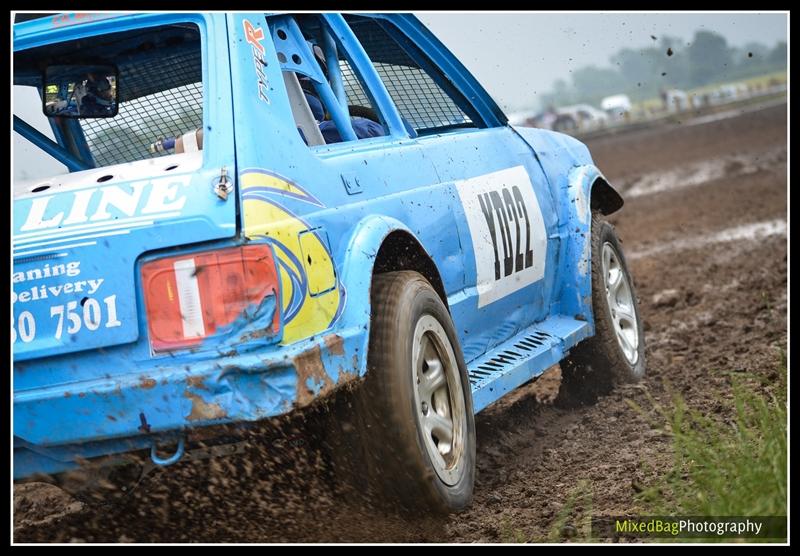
[356, 95]
[365, 120]
[153, 116]
[418, 97]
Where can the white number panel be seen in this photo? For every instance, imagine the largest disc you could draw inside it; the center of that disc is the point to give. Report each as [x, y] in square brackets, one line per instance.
[507, 231]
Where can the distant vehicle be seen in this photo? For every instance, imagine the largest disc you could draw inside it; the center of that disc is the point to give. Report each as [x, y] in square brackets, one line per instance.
[542, 120]
[722, 94]
[728, 92]
[519, 118]
[677, 100]
[616, 106]
[579, 117]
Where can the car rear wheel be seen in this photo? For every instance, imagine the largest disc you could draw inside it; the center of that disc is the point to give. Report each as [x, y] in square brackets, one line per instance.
[416, 424]
[615, 354]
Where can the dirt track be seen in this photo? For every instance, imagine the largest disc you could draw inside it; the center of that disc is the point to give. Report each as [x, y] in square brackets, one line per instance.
[692, 192]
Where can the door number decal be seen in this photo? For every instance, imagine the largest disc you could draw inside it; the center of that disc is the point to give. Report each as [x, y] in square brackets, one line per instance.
[507, 231]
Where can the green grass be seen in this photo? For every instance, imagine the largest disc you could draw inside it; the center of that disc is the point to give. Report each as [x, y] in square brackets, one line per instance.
[733, 467]
[573, 521]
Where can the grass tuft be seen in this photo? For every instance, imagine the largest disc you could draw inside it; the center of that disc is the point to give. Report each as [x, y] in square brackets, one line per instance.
[734, 466]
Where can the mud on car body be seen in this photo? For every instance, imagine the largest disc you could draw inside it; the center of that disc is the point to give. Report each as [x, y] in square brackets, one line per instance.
[207, 258]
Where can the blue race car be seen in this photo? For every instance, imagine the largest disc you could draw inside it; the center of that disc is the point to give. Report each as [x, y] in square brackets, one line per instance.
[285, 205]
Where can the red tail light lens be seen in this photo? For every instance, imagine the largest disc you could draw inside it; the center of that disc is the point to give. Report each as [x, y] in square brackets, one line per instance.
[191, 297]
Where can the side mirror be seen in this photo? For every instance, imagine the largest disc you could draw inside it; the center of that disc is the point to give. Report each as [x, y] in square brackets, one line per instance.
[81, 91]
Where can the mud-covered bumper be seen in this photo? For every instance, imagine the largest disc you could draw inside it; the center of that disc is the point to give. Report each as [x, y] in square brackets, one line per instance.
[57, 426]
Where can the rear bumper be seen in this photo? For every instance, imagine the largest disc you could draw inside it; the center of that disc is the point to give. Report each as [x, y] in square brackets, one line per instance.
[54, 427]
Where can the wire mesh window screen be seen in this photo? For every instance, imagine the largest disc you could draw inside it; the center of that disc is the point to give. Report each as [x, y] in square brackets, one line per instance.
[356, 95]
[419, 99]
[143, 120]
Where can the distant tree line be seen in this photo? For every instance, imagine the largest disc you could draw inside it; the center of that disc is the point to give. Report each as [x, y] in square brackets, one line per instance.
[670, 63]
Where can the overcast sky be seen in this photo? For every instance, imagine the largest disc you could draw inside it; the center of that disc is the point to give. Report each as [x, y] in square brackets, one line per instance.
[517, 55]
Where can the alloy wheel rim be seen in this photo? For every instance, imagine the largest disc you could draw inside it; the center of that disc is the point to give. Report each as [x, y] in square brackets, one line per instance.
[439, 399]
[621, 304]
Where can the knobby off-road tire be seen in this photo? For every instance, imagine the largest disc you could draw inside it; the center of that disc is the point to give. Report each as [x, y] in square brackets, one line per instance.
[412, 418]
[615, 354]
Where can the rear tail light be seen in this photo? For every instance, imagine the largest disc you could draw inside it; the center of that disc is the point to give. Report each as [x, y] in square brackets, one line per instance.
[192, 297]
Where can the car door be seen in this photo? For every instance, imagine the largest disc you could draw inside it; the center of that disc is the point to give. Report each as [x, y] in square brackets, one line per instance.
[303, 195]
[506, 222]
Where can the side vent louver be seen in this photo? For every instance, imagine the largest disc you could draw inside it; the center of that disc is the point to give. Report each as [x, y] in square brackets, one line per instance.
[508, 358]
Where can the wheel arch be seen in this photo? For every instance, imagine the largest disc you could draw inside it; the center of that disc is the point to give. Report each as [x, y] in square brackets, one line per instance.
[604, 197]
[380, 244]
[400, 250]
[586, 190]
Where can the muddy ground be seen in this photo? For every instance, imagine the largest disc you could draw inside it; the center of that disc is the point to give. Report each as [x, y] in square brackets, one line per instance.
[704, 228]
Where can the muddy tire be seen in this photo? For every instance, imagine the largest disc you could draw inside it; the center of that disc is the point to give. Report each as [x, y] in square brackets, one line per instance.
[615, 354]
[415, 421]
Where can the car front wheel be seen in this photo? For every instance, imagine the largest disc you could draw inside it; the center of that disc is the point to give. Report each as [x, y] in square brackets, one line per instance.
[615, 354]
